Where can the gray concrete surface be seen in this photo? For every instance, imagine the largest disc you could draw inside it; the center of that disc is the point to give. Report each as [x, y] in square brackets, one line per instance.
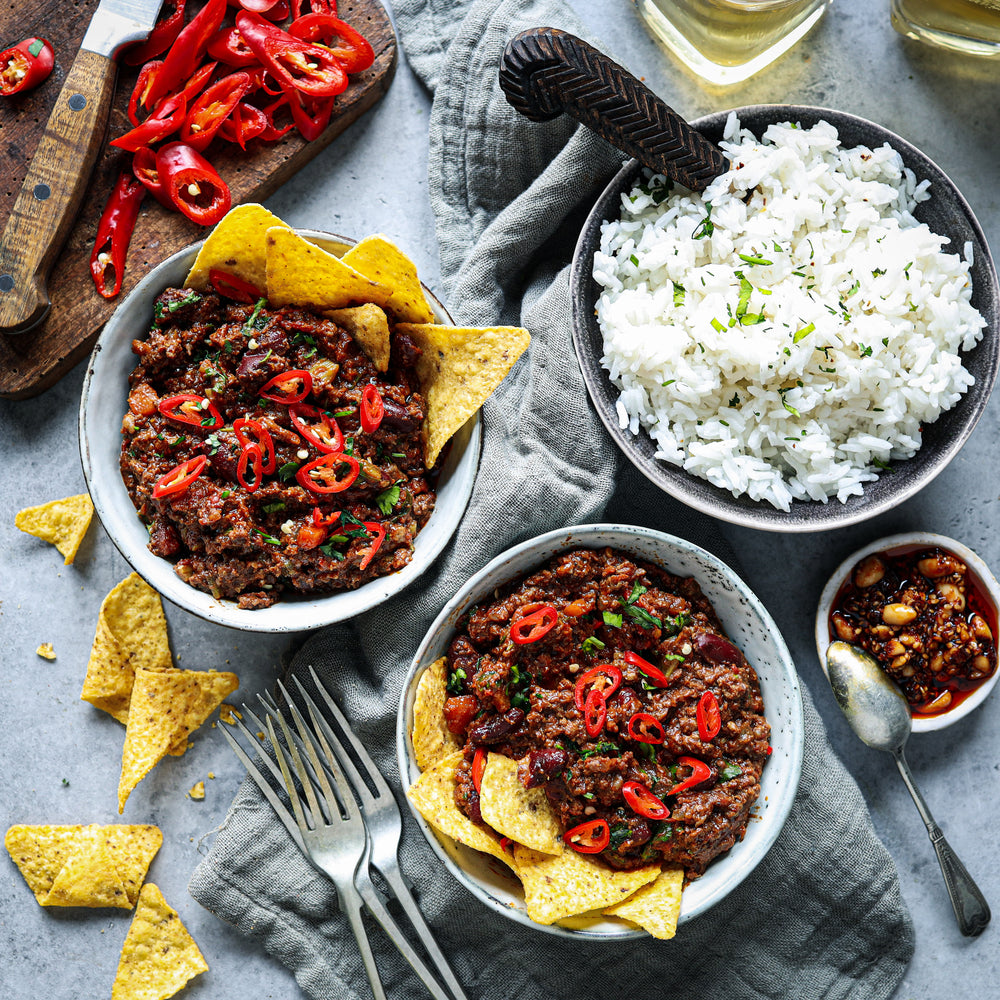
[59, 758]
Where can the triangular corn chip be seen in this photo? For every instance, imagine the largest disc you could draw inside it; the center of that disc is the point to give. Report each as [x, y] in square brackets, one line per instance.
[63, 523]
[166, 706]
[131, 635]
[369, 326]
[523, 814]
[158, 956]
[376, 258]
[40, 852]
[300, 273]
[89, 876]
[655, 907]
[458, 370]
[432, 739]
[236, 246]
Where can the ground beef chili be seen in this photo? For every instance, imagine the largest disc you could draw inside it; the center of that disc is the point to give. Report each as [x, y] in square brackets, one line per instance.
[919, 613]
[520, 699]
[251, 544]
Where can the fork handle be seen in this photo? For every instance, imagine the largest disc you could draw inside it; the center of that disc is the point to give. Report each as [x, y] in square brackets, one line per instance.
[351, 904]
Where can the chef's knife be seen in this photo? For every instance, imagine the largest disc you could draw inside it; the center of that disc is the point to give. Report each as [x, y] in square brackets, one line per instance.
[58, 174]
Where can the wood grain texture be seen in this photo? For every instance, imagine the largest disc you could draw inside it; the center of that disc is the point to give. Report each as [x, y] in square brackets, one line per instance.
[31, 362]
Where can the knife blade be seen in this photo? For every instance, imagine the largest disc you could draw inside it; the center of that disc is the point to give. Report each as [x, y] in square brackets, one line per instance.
[61, 167]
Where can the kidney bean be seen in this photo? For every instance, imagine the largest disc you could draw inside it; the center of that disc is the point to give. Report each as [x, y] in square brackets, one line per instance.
[397, 415]
[713, 647]
[494, 729]
[541, 765]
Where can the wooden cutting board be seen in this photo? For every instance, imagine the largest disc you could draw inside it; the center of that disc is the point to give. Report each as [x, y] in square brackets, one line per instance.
[33, 361]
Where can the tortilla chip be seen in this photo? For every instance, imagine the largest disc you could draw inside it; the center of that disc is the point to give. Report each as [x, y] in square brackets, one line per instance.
[166, 706]
[299, 273]
[369, 326]
[67, 865]
[561, 885]
[432, 739]
[131, 635]
[63, 523]
[523, 814]
[655, 907]
[198, 791]
[458, 370]
[159, 956]
[382, 261]
[433, 793]
[46, 651]
[236, 246]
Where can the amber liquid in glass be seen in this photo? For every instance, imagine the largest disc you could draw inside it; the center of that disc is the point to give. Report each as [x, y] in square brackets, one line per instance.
[969, 26]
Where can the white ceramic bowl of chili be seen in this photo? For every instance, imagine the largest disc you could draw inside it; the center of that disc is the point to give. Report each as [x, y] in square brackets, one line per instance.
[104, 403]
[982, 579]
[744, 619]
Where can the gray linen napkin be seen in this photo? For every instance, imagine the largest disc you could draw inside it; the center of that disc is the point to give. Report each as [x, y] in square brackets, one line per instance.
[822, 915]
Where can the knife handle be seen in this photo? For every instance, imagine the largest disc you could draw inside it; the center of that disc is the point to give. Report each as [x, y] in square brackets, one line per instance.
[53, 190]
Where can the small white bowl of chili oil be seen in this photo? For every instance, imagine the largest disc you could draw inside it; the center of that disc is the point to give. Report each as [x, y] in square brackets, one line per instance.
[925, 606]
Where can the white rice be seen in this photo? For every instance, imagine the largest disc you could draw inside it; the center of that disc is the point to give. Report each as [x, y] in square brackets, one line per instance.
[847, 344]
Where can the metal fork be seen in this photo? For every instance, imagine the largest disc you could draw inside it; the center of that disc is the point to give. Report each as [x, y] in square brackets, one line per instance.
[326, 827]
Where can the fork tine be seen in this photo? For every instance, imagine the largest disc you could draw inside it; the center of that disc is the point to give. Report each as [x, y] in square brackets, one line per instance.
[264, 785]
[286, 775]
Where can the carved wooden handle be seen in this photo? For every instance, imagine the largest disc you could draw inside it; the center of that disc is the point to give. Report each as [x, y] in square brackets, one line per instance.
[545, 72]
[53, 190]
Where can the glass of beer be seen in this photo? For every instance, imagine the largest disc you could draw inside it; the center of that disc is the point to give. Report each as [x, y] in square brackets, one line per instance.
[968, 26]
[726, 41]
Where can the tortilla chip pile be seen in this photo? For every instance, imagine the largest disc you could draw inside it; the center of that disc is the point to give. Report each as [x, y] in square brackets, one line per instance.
[63, 523]
[84, 865]
[372, 284]
[558, 882]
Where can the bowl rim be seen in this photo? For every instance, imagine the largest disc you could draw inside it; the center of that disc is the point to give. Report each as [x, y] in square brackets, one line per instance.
[926, 724]
[719, 502]
[582, 536]
[326, 609]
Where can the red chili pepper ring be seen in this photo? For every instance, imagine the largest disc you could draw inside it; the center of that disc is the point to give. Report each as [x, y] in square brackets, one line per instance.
[534, 626]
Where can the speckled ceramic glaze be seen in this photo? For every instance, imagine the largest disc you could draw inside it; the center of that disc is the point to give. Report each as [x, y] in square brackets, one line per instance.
[842, 574]
[946, 213]
[746, 622]
[104, 402]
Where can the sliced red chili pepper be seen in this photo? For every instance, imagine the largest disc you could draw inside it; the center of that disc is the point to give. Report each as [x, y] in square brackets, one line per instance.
[192, 184]
[595, 712]
[316, 6]
[189, 409]
[645, 728]
[313, 69]
[114, 233]
[657, 676]
[212, 108]
[180, 477]
[309, 536]
[188, 48]
[288, 387]
[25, 65]
[478, 766]
[589, 838]
[228, 47]
[245, 123]
[372, 409]
[377, 530]
[348, 45]
[709, 717]
[322, 520]
[140, 92]
[144, 168]
[532, 627]
[279, 12]
[233, 287]
[249, 431]
[310, 114]
[321, 474]
[317, 428]
[642, 801]
[506, 844]
[250, 461]
[700, 771]
[274, 132]
[257, 6]
[607, 670]
[164, 121]
[160, 38]
[169, 109]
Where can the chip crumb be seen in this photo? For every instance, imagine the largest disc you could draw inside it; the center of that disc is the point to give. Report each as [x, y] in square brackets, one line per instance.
[198, 791]
[226, 713]
[211, 774]
[46, 651]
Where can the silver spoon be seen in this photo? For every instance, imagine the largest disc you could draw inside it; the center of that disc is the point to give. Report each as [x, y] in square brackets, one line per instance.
[880, 715]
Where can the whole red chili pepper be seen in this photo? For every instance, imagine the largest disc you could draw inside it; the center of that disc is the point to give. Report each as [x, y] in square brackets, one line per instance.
[25, 65]
[595, 712]
[377, 530]
[114, 233]
[478, 766]
[231, 286]
[700, 771]
[589, 838]
[245, 123]
[645, 728]
[186, 52]
[287, 387]
[349, 46]
[320, 475]
[642, 801]
[313, 69]
[160, 38]
[372, 409]
[708, 716]
[533, 626]
[252, 462]
[192, 184]
[657, 676]
[610, 675]
[190, 409]
[212, 108]
[316, 427]
[180, 477]
[248, 432]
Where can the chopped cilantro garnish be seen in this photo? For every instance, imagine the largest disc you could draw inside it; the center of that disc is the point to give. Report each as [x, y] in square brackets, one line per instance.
[706, 227]
[226, 494]
[455, 680]
[637, 591]
[252, 319]
[592, 644]
[865, 351]
[270, 508]
[330, 552]
[675, 624]
[610, 618]
[602, 748]
[642, 617]
[288, 470]
[270, 539]
[188, 300]
[344, 413]
[678, 294]
[748, 259]
[718, 326]
[387, 499]
[729, 770]
[746, 290]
